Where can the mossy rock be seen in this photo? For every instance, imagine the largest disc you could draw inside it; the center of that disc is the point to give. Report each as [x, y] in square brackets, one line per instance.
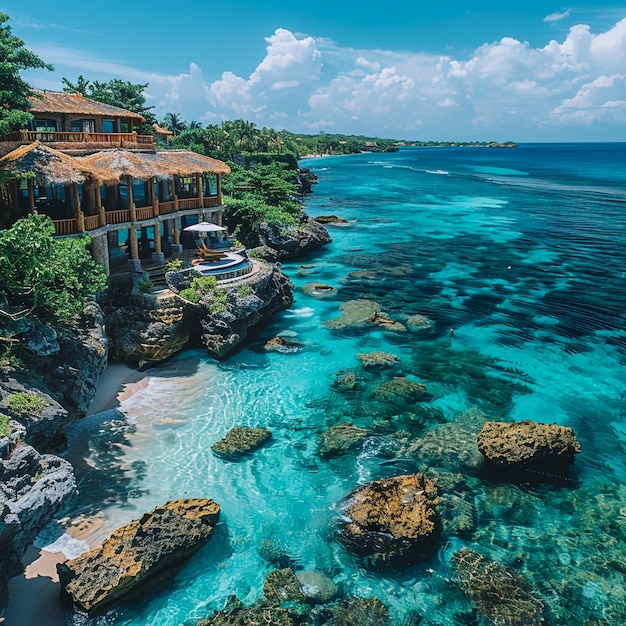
[344, 381]
[256, 616]
[240, 441]
[401, 389]
[354, 314]
[377, 360]
[501, 594]
[281, 586]
[340, 439]
[352, 611]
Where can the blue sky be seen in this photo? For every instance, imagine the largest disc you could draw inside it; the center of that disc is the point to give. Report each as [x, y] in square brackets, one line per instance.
[531, 71]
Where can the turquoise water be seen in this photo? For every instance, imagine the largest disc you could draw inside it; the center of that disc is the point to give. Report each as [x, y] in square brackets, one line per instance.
[521, 252]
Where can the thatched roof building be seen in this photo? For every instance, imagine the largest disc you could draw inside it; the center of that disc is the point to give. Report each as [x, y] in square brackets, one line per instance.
[160, 165]
[47, 166]
[75, 104]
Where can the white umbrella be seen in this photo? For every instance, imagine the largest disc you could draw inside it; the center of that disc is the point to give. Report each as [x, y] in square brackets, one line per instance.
[205, 227]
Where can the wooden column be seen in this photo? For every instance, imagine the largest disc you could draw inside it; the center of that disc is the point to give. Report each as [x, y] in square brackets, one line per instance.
[80, 216]
[99, 206]
[131, 200]
[218, 185]
[157, 238]
[134, 247]
[31, 195]
[175, 233]
[200, 190]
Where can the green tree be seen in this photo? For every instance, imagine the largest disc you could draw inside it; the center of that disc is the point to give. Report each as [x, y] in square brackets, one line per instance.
[14, 91]
[119, 93]
[43, 277]
[174, 122]
[81, 86]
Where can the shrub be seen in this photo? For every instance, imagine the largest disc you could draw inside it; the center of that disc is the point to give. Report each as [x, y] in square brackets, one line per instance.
[145, 286]
[25, 402]
[244, 291]
[5, 426]
[174, 265]
[190, 294]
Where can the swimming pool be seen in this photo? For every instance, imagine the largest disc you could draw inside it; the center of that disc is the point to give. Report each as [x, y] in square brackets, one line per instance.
[231, 266]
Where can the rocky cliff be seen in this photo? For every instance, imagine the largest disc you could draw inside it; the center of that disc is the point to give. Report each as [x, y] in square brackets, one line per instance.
[280, 242]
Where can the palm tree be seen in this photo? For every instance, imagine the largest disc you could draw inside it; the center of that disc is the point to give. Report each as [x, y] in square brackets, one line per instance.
[194, 125]
[174, 122]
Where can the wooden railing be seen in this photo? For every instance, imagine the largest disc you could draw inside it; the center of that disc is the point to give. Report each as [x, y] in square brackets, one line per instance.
[92, 222]
[167, 207]
[118, 139]
[118, 217]
[122, 216]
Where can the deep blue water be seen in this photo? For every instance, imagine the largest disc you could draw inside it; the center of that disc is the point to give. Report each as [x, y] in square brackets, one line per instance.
[522, 253]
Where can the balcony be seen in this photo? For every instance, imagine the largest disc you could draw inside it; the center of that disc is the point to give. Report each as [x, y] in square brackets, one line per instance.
[91, 140]
[123, 217]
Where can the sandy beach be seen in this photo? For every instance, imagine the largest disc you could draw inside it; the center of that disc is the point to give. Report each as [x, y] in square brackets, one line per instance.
[34, 595]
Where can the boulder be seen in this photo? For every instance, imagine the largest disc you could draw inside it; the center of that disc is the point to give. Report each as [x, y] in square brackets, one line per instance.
[287, 241]
[418, 322]
[282, 345]
[141, 326]
[377, 360]
[401, 389]
[391, 520]
[241, 440]
[282, 586]
[502, 595]
[354, 314]
[137, 552]
[340, 439]
[319, 290]
[527, 445]
[33, 489]
[330, 219]
[317, 587]
[262, 615]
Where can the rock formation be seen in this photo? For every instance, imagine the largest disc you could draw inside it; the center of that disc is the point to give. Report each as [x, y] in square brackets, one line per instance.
[391, 520]
[340, 439]
[287, 241]
[528, 445]
[241, 440]
[502, 595]
[142, 326]
[330, 219]
[354, 314]
[138, 551]
[33, 488]
[377, 360]
[401, 389]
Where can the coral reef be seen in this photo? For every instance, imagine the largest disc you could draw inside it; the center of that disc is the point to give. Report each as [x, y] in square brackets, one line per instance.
[340, 439]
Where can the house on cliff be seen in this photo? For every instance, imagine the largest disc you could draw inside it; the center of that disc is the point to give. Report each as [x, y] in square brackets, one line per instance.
[84, 165]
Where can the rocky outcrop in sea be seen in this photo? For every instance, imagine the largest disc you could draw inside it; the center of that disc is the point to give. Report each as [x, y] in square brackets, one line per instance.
[287, 241]
[137, 552]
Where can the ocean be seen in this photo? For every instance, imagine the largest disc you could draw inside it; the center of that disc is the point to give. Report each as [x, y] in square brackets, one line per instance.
[516, 259]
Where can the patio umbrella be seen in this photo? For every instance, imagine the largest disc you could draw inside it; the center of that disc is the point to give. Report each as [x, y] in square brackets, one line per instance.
[205, 227]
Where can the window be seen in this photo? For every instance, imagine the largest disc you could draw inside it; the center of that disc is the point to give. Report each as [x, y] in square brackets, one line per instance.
[108, 126]
[83, 126]
[46, 126]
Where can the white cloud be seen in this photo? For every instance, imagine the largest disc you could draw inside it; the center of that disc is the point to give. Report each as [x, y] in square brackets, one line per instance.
[556, 17]
[505, 88]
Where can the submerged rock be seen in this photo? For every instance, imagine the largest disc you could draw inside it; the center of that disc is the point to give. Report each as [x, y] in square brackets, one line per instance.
[330, 219]
[241, 440]
[354, 314]
[377, 360]
[391, 520]
[280, 344]
[418, 322]
[319, 290]
[352, 611]
[340, 439]
[317, 587]
[344, 381]
[401, 389]
[261, 616]
[137, 552]
[282, 586]
[527, 444]
[502, 595]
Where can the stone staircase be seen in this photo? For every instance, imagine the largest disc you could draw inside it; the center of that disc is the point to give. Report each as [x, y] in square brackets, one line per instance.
[157, 278]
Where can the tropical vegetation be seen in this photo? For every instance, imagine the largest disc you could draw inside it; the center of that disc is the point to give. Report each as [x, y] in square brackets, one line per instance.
[14, 91]
[43, 278]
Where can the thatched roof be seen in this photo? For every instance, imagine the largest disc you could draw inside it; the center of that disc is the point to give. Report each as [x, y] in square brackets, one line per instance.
[76, 104]
[161, 165]
[49, 166]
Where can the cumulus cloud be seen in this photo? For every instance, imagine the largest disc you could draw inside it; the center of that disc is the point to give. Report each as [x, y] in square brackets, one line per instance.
[556, 17]
[504, 88]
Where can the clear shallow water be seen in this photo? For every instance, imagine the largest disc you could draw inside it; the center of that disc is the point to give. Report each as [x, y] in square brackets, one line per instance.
[521, 252]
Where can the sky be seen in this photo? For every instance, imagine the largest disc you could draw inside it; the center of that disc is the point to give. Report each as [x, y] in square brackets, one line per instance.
[450, 71]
